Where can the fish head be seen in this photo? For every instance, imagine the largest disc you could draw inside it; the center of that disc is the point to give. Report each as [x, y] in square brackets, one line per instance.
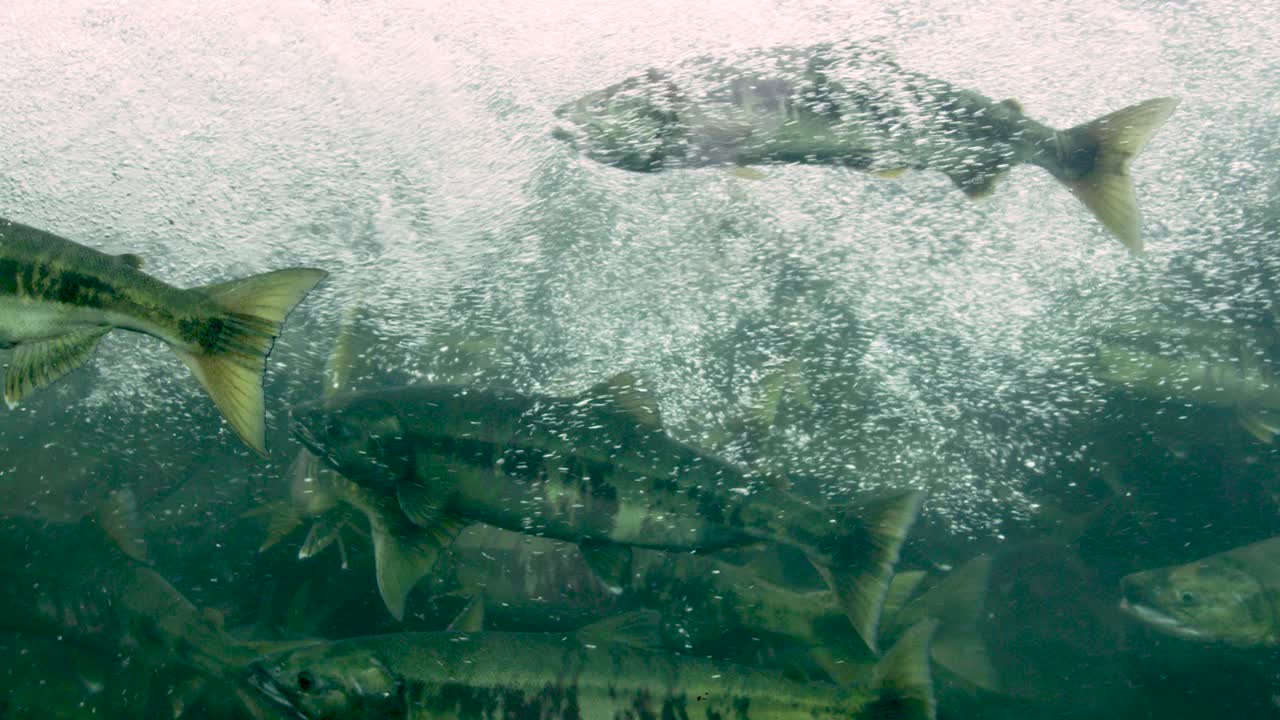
[633, 125]
[1213, 600]
[325, 681]
[360, 435]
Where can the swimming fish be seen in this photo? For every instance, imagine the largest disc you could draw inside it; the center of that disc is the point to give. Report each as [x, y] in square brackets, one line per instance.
[1229, 598]
[59, 298]
[598, 470]
[1219, 365]
[852, 106]
[608, 670]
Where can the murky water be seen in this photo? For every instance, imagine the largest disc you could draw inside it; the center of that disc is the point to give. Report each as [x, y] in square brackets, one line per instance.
[855, 334]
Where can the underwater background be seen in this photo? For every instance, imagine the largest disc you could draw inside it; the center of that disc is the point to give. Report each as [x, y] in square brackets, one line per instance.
[857, 333]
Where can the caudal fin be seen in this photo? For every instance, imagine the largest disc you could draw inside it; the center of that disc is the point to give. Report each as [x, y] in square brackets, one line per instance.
[858, 565]
[232, 348]
[902, 681]
[1110, 143]
[957, 603]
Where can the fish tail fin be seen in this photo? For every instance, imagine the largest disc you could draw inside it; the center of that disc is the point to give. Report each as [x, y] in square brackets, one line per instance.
[957, 603]
[902, 681]
[858, 564]
[1105, 148]
[232, 347]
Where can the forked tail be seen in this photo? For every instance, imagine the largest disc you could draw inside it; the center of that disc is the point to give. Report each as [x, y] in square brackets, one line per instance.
[232, 348]
[902, 681]
[858, 565]
[1096, 169]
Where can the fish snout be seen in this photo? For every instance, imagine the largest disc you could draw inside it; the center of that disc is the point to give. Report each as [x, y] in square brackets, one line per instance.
[306, 423]
[262, 679]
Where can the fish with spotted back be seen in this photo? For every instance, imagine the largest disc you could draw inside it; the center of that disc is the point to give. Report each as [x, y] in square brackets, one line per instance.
[851, 105]
[596, 469]
[606, 671]
[59, 298]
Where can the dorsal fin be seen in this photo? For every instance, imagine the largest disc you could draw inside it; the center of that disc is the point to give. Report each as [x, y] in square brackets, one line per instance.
[626, 393]
[134, 261]
[638, 629]
[1012, 104]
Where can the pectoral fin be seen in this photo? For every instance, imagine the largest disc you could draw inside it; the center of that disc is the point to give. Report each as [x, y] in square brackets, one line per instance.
[324, 532]
[36, 365]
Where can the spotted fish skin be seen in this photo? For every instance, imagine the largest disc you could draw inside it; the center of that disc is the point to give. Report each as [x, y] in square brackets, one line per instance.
[514, 676]
[59, 298]
[596, 469]
[851, 105]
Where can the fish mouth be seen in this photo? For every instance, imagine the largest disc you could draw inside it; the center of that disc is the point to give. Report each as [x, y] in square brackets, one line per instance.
[303, 433]
[262, 680]
[1160, 621]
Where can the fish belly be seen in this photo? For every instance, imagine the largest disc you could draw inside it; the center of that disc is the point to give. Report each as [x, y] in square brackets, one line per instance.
[26, 321]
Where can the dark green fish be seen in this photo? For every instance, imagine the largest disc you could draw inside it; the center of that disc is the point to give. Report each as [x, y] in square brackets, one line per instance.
[1213, 364]
[1231, 598]
[85, 582]
[59, 298]
[592, 675]
[847, 105]
[595, 469]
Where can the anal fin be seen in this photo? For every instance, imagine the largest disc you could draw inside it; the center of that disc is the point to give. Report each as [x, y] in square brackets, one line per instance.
[38, 364]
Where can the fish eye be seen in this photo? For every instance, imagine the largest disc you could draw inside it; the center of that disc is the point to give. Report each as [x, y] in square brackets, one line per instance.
[1187, 597]
[306, 680]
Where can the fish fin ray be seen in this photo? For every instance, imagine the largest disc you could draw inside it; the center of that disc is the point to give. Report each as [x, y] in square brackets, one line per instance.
[1107, 188]
[640, 629]
[955, 601]
[340, 365]
[858, 565]
[901, 587]
[963, 653]
[324, 531]
[471, 618]
[38, 364]
[403, 555]
[902, 680]
[233, 354]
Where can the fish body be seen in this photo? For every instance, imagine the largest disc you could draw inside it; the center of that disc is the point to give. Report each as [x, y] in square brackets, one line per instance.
[1213, 365]
[59, 298]
[1231, 598]
[852, 106]
[492, 676]
[597, 470]
[74, 581]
